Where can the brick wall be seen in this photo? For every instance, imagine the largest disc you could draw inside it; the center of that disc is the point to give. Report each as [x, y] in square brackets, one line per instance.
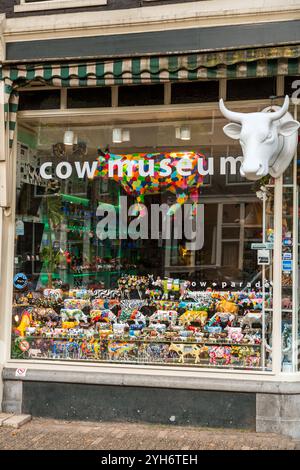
[7, 6]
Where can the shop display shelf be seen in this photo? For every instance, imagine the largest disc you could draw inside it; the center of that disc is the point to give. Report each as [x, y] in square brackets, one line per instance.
[142, 341]
[238, 365]
[21, 305]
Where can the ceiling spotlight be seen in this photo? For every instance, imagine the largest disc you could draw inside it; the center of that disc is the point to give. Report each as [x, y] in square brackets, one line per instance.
[120, 135]
[183, 133]
[125, 135]
[117, 135]
[69, 138]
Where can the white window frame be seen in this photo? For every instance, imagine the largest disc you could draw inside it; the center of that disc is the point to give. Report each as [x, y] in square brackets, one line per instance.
[28, 5]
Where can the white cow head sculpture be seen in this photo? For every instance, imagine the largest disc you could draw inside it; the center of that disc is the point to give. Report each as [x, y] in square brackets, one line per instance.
[268, 139]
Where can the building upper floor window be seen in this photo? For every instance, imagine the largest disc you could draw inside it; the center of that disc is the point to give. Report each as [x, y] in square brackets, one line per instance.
[39, 5]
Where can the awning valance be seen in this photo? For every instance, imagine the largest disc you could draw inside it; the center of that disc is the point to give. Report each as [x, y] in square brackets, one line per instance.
[247, 63]
[244, 63]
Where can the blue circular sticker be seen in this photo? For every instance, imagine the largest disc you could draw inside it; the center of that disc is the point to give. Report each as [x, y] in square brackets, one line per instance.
[20, 281]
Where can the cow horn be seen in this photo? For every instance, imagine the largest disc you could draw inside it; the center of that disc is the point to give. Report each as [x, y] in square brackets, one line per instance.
[231, 115]
[281, 112]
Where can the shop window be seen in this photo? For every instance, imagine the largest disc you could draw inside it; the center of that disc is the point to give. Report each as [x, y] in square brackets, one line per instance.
[251, 88]
[141, 95]
[39, 99]
[86, 289]
[96, 97]
[195, 92]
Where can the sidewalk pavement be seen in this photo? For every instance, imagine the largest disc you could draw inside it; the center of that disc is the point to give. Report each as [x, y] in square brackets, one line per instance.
[42, 434]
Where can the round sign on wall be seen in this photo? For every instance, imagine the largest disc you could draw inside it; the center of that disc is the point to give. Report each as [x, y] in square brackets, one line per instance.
[20, 281]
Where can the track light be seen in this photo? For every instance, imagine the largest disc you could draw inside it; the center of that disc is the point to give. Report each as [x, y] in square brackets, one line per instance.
[183, 133]
[69, 138]
[125, 135]
[120, 135]
[117, 135]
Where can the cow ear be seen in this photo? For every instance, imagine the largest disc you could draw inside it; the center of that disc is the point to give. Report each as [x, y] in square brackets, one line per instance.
[232, 130]
[288, 127]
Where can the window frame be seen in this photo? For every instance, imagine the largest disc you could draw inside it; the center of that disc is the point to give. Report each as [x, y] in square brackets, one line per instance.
[146, 113]
[28, 5]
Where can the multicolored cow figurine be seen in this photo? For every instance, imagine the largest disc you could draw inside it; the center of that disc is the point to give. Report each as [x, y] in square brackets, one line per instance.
[161, 170]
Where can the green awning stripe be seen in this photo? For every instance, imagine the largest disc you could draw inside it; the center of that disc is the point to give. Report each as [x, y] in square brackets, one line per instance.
[173, 67]
[251, 70]
[100, 73]
[272, 67]
[136, 70]
[13, 107]
[65, 75]
[30, 75]
[154, 69]
[116, 74]
[192, 67]
[12, 125]
[82, 74]
[14, 75]
[47, 73]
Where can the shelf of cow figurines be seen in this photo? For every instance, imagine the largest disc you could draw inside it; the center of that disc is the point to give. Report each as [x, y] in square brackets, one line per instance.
[191, 338]
[206, 328]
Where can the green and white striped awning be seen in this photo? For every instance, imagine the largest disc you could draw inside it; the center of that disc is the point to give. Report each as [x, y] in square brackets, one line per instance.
[247, 63]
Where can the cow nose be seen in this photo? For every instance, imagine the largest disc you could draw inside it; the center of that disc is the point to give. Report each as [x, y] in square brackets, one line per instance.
[261, 171]
[252, 171]
[251, 167]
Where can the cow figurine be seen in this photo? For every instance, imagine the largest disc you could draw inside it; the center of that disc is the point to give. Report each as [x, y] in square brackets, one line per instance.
[135, 185]
[250, 318]
[268, 139]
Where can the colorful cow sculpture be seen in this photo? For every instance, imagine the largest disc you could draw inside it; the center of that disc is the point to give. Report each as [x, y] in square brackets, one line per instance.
[140, 186]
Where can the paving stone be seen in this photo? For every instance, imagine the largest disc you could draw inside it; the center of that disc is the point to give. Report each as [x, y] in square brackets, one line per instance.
[3, 417]
[54, 434]
[97, 441]
[16, 421]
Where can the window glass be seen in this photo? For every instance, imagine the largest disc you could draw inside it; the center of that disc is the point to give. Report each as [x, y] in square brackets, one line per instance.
[104, 273]
[89, 97]
[141, 95]
[39, 99]
[251, 88]
[195, 92]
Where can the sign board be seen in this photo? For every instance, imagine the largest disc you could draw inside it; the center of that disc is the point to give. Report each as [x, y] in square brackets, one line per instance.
[19, 227]
[262, 246]
[287, 265]
[20, 281]
[263, 257]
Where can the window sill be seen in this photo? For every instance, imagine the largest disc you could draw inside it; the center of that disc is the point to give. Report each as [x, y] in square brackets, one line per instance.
[57, 4]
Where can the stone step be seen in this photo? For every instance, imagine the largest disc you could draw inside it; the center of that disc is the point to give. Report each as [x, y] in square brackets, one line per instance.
[3, 417]
[16, 421]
